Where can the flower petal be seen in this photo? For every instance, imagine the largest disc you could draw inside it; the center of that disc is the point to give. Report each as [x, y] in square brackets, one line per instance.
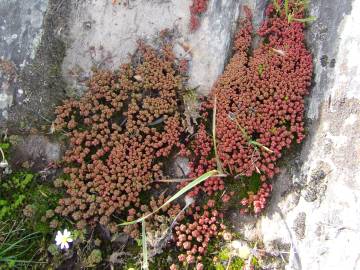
[58, 239]
[66, 233]
[69, 240]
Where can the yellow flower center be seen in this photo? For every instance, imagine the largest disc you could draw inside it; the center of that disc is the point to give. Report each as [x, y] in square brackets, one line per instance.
[64, 239]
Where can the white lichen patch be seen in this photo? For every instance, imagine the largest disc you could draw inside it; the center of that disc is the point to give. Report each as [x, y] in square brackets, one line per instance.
[5, 100]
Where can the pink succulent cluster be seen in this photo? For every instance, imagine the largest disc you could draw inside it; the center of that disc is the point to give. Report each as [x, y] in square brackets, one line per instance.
[258, 112]
[257, 201]
[119, 132]
[201, 148]
[193, 237]
[199, 266]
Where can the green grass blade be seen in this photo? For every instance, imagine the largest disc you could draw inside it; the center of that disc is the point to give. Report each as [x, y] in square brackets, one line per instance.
[243, 131]
[305, 20]
[20, 261]
[13, 245]
[276, 5]
[145, 265]
[185, 189]
[287, 8]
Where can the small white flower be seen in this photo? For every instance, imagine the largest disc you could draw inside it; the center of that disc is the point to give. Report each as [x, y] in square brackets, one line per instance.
[240, 249]
[63, 239]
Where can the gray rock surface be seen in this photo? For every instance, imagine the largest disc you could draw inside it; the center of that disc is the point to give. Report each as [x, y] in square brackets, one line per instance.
[20, 34]
[31, 83]
[103, 35]
[35, 152]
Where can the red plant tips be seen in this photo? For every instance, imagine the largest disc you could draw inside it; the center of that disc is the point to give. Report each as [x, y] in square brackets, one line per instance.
[260, 100]
[197, 8]
[258, 201]
[193, 237]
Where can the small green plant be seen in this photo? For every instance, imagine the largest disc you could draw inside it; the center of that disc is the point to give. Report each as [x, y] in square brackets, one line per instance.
[12, 193]
[290, 15]
[261, 69]
[94, 258]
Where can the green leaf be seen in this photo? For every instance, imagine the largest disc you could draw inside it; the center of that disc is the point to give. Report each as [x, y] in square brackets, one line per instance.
[53, 249]
[5, 146]
[185, 189]
[138, 242]
[11, 263]
[261, 145]
[3, 202]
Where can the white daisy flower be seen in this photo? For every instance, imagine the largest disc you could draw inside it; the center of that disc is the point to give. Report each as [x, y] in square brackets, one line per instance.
[63, 239]
[240, 249]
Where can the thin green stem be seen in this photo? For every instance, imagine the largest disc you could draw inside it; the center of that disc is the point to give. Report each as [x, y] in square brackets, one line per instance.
[3, 155]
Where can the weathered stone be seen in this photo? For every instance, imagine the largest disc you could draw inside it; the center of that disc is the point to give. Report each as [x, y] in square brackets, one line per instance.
[300, 226]
[35, 152]
[20, 29]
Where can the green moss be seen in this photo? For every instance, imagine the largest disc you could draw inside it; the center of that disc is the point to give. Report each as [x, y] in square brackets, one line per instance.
[94, 258]
[241, 186]
[13, 191]
[219, 266]
[236, 264]
[224, 254]
[5, 146]
[43, 198]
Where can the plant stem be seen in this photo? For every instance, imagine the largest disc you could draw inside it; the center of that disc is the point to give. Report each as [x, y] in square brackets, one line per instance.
[185, 189]
[3, 154]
